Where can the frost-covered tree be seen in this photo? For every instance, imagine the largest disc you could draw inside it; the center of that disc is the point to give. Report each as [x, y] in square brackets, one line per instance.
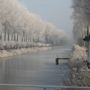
[81, 16]
[21, 28]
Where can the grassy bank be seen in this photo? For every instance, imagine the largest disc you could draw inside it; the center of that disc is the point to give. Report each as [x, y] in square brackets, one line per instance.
[14, 52]
[80, 74]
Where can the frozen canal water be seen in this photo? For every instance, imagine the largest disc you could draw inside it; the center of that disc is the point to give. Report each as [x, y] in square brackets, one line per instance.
[35, 69]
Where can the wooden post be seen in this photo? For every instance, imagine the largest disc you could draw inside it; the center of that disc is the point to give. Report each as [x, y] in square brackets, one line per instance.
[57, 61]
[44, 88]
[88, 34]
[88, 55]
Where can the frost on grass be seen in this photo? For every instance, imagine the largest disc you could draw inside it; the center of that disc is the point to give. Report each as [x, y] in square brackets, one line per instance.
[80, 74]
[79, 54]
[15, 52]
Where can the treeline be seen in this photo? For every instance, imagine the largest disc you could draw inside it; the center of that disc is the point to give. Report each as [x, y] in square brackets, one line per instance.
[20, 28]
[81, 19]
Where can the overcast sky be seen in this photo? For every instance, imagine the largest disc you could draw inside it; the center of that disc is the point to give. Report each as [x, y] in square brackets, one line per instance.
[56, 11]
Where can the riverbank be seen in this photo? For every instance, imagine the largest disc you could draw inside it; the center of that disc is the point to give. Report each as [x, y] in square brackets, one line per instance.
[80, 74]
[14, 52]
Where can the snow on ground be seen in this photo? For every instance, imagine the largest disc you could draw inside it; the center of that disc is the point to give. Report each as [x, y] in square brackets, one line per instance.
[79, 54]
[9, 53]
[80, 74]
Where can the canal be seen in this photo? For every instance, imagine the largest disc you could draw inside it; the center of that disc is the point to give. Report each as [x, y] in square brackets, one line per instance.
[35, 69]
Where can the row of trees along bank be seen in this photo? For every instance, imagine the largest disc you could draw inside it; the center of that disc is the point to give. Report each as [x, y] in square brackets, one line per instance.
[20, 28]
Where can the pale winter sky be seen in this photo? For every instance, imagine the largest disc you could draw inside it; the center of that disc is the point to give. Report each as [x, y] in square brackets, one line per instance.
[56, 11]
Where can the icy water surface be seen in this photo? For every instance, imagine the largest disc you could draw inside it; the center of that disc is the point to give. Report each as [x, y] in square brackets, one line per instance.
[35, 69]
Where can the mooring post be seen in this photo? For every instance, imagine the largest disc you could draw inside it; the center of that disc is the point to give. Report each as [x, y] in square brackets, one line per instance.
[88, 63]
[88, 35]
[87, 39]
[44, 88]
[57, 61]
